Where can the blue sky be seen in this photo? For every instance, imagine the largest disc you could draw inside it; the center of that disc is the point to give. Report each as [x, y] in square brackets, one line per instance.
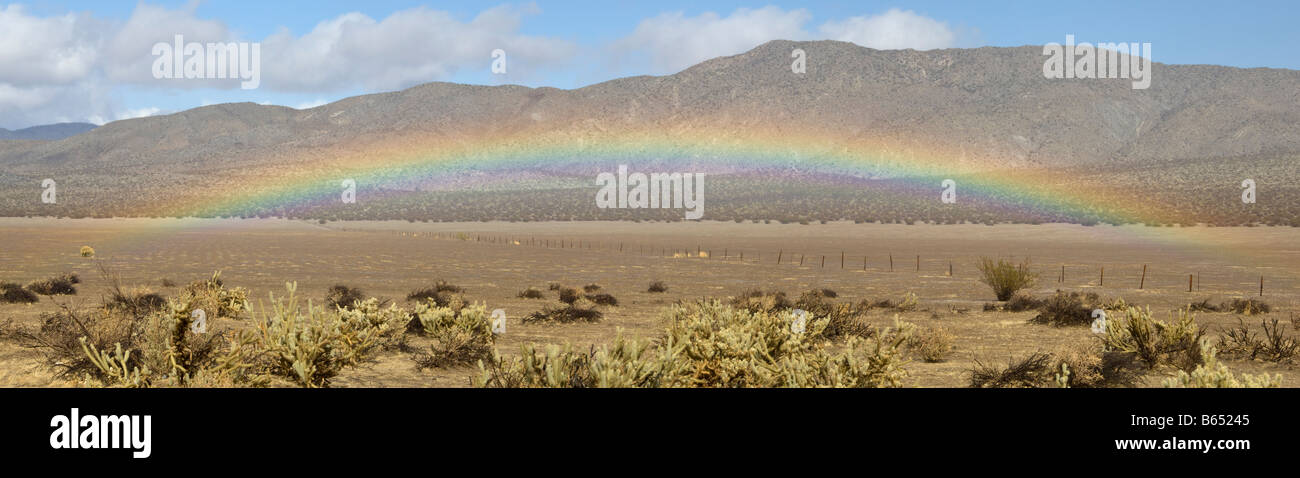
[89, 60]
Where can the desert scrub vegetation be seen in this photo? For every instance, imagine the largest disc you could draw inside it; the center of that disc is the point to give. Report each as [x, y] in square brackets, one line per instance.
[12, 293]
[1275, 345]
[1212, 374]
[1030, 371]
[1246, 306]
[932, 344]
[1005, 278]
[578, 311]
[215, 298]
[531, 293]
[1067, 309]
[460, 336]
[58, 285]
[657, 287]
[442, 293]
[1156, 343]
[340, 296]
[310, 345]
[87, 251]
[710, 344]
[1085, 365]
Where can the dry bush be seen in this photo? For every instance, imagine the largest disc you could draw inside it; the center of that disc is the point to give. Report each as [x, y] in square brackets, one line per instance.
[12, 293]
[1154, 342]
[343, 297]
[215, 298]
[531, 293]
[1017, 303]
[565, 314]
[1004, 277]
[1067, 309]
[1203, 306]
[1276, 345]
[136, 301]
[602, 299]
[87, 251]
[841, 320]
[569, 295]
[933, 344]
[1090, 366]
[709, 344]
[1247, 306]
[59, 285]
[658, 287]
[1033, 371]
[590, 288]
[460, 337]
[441, 293]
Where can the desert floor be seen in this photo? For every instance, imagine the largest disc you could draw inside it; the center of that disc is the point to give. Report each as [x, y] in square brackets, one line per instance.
[496, 260]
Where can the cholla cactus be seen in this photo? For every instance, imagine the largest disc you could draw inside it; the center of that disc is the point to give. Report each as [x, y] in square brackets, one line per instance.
[87, 251]
[461, 336]
[1212, 374]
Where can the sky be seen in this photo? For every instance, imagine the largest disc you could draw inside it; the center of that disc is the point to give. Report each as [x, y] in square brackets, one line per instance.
[94, 61]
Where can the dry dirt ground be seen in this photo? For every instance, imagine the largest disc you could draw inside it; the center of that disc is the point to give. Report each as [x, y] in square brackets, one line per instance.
[494, 261]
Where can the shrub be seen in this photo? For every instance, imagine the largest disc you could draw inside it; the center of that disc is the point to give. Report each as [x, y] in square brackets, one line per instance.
[12, 293]
[1032, 371]
[460, 336]
[1066, 309]
[602, 299]
[531, 293]
[841, 320]
[709, 344]
[589, 288]
[1246, 306]
[569, 295]
[215, 298]
[1275, 346]
[933, 344]
[1203, 306]
[658, 287]
[565, 314]
[59, 285]
[310, 345]
[1212, 374]
[1004, 277]
[341, 296]
[1090, 366]
[442, 293]
[87, 251]
[1156, 342]
[136, 301]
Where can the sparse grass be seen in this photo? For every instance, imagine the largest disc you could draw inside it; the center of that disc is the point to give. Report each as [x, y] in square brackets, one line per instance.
[658, 287]
[12, 293]
[531, 293]
[1005, 277]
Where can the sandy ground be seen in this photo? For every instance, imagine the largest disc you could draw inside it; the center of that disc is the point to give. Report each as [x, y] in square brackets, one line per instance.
[494, 261]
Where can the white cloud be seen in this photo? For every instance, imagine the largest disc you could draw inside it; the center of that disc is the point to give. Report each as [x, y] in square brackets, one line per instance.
[406, 48]
[138, 113]
[893, 30]
[311, 104]
[673, 41]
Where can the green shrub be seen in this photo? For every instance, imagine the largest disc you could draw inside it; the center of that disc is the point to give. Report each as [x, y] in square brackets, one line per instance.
[310, 345]
[1212, 374]
[1005, 277]
[710, 344]
[1155, 342]
[460, 336]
